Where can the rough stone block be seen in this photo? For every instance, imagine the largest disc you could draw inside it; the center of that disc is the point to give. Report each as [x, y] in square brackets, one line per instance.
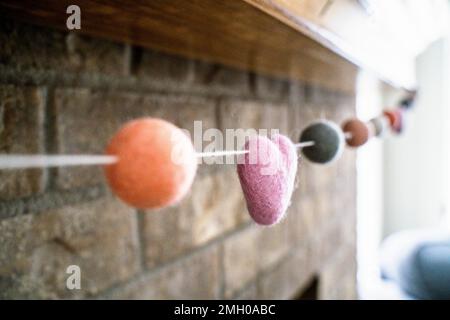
[86, 120]
[164, 69]
[249, 293]
[240, 119]
[100, 237]
[288, 278]
[26, 47]
[21, 132]
[273, 244]
[196, 276]
[214, 206]
[251, 252]
[302, 219]
[221, 80]
[240, 256]
[338, 277]
[271, 89]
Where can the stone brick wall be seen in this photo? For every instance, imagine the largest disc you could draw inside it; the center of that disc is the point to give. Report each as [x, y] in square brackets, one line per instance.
[65, 93]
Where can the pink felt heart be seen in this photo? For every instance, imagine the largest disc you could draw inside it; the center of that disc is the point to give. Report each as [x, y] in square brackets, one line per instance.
[267, 176]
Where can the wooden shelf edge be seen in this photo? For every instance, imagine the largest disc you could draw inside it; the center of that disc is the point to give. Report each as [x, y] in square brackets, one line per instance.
[255, 35]
[326, 38]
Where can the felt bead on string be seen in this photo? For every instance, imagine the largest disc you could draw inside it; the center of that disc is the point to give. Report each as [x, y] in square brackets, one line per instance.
[393, 118]
[151, 164]
[396, 119]
[149, 173]
[398, 128]
[390, 116]
[267, 175]
[408, 102]
[328, 141]
[380, 125]
[358, 132]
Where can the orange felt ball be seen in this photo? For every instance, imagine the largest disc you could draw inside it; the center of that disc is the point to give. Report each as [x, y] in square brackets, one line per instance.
[156, 163]
[359, 131]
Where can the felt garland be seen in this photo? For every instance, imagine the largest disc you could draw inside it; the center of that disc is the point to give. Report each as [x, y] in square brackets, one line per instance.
[150, 163]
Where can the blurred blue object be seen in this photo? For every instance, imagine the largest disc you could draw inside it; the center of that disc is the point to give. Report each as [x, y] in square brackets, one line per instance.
[419, 262]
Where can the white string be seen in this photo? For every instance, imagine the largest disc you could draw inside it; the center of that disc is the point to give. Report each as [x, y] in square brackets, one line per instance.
[23, 161]
[304, 144]
[237, 152]
[15, 161]
[221, 153]
[348, 135]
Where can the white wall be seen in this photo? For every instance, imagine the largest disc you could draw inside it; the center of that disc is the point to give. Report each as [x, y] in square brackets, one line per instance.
[403, 181]
[369, 187]
[416, 163]
[446, 139]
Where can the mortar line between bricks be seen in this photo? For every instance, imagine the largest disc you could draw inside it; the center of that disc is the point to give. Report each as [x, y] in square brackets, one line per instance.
[270, 270]
[278, 264]
[221, 272]
[43, 136]
[131, 84]
[141, 238]
[127, 59]
[219, 241]
[105, 82]
[50, 135]
[50, 200]
[218, 113]
[177, 260]
[246, 287]
[256, 279]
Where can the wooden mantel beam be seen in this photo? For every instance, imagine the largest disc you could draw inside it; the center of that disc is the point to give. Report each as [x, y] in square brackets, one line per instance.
[262, 36]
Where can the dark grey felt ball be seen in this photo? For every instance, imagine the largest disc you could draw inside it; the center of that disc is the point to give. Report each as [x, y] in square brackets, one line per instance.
[328, 140]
